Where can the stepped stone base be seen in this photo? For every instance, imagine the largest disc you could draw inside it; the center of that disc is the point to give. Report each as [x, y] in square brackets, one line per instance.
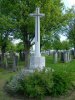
[37, 62]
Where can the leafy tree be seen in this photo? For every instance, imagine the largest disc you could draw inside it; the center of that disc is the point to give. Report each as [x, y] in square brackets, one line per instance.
[10, 46]
[71, 30]
[19, 11]
[65, 45]
[56, 42]
[71, 34]
[5, 29]
[19, 47]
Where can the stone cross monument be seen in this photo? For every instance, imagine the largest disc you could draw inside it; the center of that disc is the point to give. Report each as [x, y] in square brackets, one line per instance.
[36, 60]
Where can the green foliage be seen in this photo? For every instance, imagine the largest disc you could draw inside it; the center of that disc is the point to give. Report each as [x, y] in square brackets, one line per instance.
[40, 84]
[20, 47]
[71, 29]
[10, 46]
[65, 45]
[6, 27]
[71, 33]
[19, 11]
[56, 44]
[62, 83]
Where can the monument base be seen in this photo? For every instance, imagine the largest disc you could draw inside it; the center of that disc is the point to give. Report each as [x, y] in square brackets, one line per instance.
[37, 62]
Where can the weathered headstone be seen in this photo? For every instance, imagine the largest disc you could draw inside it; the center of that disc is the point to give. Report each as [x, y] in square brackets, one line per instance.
[65, 56]
[62, 56]
[68, 56]
[15, 61]
[55, 56]
[0, 61]
[22, 55]
[11, 60]
[72, 53]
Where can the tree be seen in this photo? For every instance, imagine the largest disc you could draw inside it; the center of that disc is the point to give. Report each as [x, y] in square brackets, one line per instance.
[65, 45]
[71, 31]
[71, 34]
[5, 29]
[19, 11]
[56, 44]
[10, 46]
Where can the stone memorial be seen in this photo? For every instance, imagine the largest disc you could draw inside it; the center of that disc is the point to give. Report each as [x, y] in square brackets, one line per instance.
[68, 56]
[11, 60]
[62, 56]
[36, 60]
[55, 56]
[65, 56]
[15, 61]
[0, 61]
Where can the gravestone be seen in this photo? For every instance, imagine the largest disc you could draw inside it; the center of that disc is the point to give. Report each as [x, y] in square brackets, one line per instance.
[0, 61]
[65, 56]
[15, 61]
[72, 53]
[22, 55]
[68, 56]
[62, 56]
[36, 60]
[11, 61]
[55, 56]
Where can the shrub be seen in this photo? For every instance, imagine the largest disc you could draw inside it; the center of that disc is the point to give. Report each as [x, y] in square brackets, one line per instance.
[40, 83]
[62, 83]
[37, 85]
[12, 85]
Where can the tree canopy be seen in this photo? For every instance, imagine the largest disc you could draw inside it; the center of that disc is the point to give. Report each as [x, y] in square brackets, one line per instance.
[23, 25]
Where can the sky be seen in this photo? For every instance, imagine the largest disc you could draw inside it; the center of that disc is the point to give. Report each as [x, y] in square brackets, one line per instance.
[69, 3]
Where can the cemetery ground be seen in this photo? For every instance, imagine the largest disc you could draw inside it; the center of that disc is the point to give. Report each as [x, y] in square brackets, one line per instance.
[68, 67]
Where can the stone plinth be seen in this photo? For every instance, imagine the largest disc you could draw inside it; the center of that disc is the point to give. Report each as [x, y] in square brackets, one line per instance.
[37, 62]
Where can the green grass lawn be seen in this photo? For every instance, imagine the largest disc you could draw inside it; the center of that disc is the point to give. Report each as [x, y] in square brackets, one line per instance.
[68, 67]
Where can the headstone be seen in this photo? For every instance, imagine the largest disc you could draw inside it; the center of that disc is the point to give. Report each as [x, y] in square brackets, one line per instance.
[6, 62]
[65, 56]
[11, 60]
[0, 61]
[62, 56]
[72, 53]
[22, 55]
[68, 56]
[55, 56]
[15, 61]
[36, 60]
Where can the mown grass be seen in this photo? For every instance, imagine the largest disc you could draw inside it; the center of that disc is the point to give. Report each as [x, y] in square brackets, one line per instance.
[68, 67]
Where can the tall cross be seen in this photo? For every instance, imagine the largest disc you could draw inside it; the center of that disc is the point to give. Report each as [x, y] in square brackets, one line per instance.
[37, 16]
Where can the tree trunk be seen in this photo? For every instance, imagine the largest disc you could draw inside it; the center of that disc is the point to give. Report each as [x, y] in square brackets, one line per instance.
[2, 58]
[74, 52]
[27, 58]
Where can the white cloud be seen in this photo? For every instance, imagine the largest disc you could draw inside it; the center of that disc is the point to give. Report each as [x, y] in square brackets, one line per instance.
[69, 3]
